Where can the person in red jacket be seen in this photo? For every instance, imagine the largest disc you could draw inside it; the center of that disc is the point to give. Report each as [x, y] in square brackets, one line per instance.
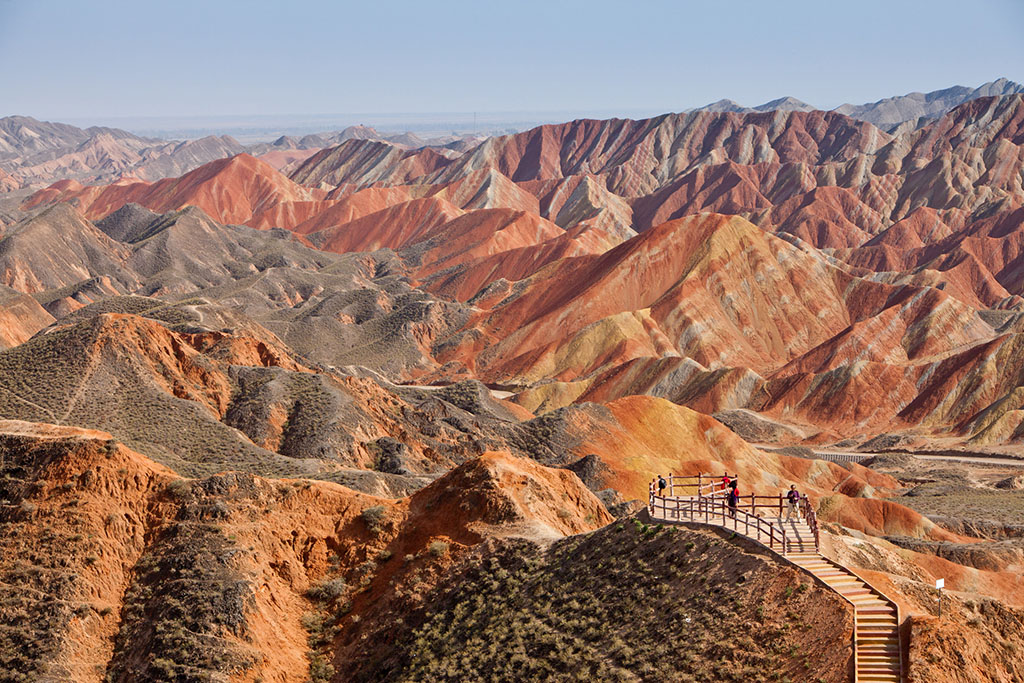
[725, 482]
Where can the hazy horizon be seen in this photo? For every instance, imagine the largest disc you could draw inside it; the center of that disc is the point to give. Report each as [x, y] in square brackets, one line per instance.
[194, 61]
[252, 128]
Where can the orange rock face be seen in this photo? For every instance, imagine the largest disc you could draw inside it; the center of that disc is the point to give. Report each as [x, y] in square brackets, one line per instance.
[123, 541]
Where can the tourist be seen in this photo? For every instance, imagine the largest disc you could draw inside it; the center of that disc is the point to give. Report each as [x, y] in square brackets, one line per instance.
[792, 500]
[661, 485]
[725, 482]
[734, 498]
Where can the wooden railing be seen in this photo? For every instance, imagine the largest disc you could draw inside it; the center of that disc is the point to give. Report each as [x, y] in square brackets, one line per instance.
[699, 485]
[713, 510]
[704, 496]
[807, 510]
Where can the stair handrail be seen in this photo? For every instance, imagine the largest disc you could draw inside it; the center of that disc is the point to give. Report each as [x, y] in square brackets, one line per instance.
[807, 511]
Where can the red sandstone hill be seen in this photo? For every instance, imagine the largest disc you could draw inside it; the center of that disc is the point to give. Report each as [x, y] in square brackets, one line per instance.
[8, 183]
[363, 162]
[660, 315]
[21, 316]
[234, 190]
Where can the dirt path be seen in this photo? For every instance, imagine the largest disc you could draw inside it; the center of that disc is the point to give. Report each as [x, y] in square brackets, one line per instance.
[495, 393]
[856, 456]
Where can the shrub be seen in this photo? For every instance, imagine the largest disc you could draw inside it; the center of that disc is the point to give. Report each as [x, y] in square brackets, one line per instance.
[438, 548]
[328, 589]
[312, 622]
[179, 488]
[320, 670]
[374, 517]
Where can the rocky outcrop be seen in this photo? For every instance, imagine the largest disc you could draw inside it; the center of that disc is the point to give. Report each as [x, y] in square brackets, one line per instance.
[115, 565]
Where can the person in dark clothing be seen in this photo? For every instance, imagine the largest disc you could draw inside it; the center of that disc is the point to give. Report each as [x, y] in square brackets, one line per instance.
[792, 500]
[661, 485]
[734, 498]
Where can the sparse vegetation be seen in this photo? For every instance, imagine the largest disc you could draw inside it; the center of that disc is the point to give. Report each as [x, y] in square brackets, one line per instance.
[576, 612]
[185, 599]
[374, 517]
[328, 589]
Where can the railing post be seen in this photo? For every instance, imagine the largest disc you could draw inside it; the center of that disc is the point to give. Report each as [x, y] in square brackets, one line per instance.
[700, 485]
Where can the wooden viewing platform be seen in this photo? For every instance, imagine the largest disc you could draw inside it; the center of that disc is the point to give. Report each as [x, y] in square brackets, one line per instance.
[700, 499]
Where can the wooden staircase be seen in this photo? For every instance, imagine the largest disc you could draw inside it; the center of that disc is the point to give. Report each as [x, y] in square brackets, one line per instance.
[877, 648]
[876, 627]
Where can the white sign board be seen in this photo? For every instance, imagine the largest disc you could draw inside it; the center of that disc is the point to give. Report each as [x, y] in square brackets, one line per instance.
[940, 583]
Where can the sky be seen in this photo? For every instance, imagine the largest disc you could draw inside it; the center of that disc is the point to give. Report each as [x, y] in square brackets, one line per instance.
[106, 60]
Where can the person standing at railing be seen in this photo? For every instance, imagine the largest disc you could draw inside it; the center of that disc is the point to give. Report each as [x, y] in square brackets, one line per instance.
[734, 498]
[792, 503]
[661, 485]
[725, 482]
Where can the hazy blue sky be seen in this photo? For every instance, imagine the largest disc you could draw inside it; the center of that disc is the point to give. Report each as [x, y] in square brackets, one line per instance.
[104, 58]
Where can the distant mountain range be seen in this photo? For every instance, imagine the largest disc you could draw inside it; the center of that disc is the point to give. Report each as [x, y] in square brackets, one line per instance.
[34, 153]
[891, 112]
